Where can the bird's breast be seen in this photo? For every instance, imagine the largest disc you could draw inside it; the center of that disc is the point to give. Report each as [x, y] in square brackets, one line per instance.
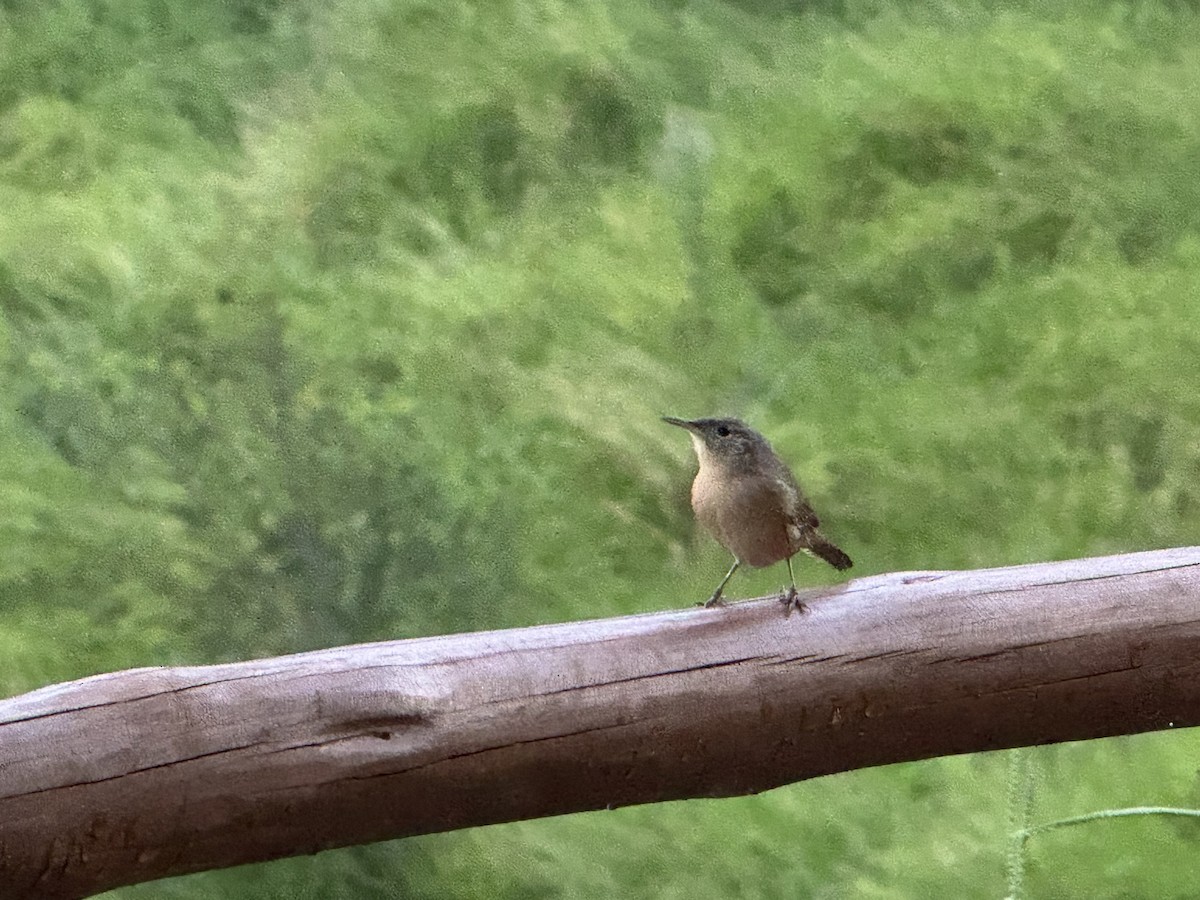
[745, 515]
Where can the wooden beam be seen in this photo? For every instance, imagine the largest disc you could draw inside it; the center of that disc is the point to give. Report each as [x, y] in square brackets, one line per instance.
[137, 775]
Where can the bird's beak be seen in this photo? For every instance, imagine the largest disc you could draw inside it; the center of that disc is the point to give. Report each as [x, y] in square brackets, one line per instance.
[682, 423]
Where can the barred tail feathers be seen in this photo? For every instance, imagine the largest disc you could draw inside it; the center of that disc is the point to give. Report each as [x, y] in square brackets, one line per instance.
[828, 551]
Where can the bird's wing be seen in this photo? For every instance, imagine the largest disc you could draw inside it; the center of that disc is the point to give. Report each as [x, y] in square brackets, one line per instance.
[802, 514]
[805, 517]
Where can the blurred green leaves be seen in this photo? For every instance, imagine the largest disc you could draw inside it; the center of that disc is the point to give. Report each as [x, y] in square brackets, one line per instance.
[324, 324]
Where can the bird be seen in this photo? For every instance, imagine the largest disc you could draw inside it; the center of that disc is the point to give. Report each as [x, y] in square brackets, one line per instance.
[746, 497]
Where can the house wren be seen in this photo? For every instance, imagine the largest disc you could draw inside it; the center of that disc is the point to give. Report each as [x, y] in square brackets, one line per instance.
[746, 497]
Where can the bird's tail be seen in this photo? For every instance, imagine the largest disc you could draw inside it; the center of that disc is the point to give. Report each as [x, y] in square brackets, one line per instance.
[828, 551]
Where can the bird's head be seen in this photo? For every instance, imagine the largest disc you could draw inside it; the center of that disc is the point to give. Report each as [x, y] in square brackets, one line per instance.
[722, 441]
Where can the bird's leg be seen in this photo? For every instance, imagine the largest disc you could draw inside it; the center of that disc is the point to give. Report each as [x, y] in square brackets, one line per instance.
[791, 597]
[715, 599]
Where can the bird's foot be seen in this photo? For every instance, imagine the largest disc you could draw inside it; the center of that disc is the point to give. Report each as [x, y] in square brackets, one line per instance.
[790, 598]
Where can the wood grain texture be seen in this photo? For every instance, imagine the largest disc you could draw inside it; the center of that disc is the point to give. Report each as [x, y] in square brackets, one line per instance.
[136, 775]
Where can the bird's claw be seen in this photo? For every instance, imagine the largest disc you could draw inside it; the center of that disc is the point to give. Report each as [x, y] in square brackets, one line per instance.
[790, 598]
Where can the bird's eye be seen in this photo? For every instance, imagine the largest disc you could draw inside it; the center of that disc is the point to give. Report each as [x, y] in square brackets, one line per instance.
[723, 430]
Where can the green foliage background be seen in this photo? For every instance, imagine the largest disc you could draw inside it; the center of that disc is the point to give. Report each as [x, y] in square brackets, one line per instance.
[331, 322]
